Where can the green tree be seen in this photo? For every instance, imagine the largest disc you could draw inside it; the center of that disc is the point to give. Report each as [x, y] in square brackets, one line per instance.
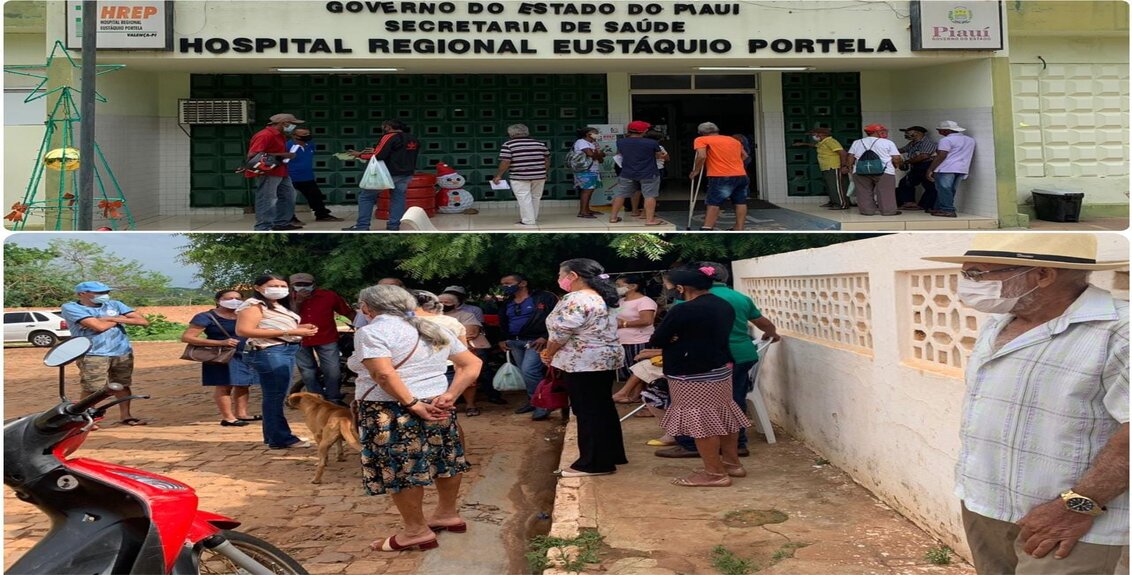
[46, 278]
[346, 263]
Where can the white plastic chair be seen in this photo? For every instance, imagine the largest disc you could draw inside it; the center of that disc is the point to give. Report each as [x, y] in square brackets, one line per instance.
[755, 396]
[416, 219]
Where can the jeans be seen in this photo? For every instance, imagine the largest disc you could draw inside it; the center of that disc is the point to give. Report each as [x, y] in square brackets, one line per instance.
[528, 361]
[740, 387]
[723, 188]
[947, 186]
[274, 202]
[322, 378]
[275, 365]
[367, 201]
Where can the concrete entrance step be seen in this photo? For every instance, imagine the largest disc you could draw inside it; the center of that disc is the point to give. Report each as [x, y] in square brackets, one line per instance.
[852, 220]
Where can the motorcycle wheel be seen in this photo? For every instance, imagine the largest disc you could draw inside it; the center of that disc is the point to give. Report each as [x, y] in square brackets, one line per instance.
[266, 554]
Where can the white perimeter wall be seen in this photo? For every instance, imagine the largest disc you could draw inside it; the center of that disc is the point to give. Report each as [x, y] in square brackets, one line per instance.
[869, 371]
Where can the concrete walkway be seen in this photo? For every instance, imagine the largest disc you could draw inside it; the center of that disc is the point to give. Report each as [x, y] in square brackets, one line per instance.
[790, 515]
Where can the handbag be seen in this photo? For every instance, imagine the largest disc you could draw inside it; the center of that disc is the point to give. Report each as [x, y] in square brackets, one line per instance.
[210, 354]
[259, 164]
[376, 176]
[551, 392]
[509, 377]
[355, 415]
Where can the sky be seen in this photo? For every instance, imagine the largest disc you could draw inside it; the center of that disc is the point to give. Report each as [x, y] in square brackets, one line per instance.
[155, 251]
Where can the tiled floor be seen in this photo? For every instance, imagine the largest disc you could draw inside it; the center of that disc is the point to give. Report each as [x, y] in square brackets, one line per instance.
[852, 220]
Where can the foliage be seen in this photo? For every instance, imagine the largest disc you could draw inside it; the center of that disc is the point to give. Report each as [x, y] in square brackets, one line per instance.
[939, 555]
[347, 263]
[46, 277]
[729, 563]
[159, 329]
[589, 547]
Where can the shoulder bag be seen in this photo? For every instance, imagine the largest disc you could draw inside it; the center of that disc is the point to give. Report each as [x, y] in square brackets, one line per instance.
[210, 354]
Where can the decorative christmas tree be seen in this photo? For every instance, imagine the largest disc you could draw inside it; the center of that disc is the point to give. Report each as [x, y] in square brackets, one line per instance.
[62, 123]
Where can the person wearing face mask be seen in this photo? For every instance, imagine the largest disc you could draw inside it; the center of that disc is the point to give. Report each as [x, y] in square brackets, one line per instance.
[231, 381]
[111, 357]
[1042, 472]
[318, 358]
[476, 340]
[274, 194]
[462, 304]
[917, 157]
[273, 335]
[635, 317]
[398, 149]
[301, 170]
[583, 344]
[833, 162]
[522, 318]
[589, 179]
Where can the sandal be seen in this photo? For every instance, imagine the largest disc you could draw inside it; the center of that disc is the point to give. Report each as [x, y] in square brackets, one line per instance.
[659, 443]
[722, 481]
[735, 469]
[133, 422]
[472, 411]
[657, 223]
[252, 418]
[616, 220]
[237, 423]
[461, 527]
[587, 216]
[391, 544]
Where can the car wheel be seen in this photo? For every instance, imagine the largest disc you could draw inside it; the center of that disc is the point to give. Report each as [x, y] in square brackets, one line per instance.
[43, 339]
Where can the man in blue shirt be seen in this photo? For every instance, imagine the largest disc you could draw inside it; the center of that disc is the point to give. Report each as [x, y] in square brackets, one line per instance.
[301, 169]
[111, 358]
[522, 318]
[639, 171]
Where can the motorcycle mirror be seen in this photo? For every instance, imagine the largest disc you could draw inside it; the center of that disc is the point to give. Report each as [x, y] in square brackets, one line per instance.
[67, 352]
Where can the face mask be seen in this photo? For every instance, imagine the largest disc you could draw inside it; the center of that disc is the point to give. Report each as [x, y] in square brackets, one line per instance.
[510, 290]
[100, 299]
[303, 138]
[564, 283]
[230, 303]
[815, 138]
[986, 296]
[274, 293]
[621, 291]
[448, 308]
[289, 128]
[305, 290]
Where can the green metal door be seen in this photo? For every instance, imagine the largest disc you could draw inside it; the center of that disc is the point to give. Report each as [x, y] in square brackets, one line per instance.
[817, 100]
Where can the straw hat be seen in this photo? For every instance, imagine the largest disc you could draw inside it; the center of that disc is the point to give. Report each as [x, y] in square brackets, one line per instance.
[1066, 251]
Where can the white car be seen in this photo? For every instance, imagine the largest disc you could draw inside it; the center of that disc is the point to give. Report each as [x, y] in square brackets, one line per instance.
[38, 327]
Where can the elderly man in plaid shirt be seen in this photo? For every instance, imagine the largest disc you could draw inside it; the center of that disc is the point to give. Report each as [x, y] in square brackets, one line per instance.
[1043, 465]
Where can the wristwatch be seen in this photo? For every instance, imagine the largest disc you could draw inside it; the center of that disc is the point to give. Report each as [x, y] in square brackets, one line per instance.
[1078, 503]
[411, 403]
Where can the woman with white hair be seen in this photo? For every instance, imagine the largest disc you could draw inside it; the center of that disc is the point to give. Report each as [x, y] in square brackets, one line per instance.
[406, 414]
[527, 160]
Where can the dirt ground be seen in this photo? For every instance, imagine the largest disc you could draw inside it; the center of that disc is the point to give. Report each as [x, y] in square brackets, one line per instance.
[327, 527]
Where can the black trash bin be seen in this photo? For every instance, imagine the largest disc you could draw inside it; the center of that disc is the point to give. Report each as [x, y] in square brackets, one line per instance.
[1055, 206]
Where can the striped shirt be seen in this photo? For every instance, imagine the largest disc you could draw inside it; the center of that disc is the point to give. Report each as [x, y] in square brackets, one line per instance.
[528, 158]
[1038, 411]
[924, 146]
[273, 318]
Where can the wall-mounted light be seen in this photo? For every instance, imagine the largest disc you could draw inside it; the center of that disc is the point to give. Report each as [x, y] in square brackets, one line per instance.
[755, 68]
[338, 70]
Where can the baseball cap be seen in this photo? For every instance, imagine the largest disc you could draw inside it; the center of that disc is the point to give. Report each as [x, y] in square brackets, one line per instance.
[284, 118]
[458, 290]
[96, 287]
[876, 128]
[638, 127]
[302, 278]
[919, 129]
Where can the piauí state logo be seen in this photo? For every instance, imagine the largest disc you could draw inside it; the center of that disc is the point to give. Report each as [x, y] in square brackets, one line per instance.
[959, 15]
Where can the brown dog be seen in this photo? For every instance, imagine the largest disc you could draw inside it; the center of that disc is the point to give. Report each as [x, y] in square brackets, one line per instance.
[329, 424]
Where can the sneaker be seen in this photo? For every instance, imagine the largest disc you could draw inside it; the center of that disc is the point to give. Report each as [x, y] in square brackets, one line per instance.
[286, 228]
[354, 229]
[525, 409]
[540, 415]
[296, 221]
[676, 452]
[328, 218]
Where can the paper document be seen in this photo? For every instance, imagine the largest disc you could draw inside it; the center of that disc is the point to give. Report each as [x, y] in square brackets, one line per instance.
[502, 185]
[344, 156]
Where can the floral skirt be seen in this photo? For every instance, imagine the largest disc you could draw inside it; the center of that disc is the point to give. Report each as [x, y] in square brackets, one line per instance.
[401, 450]
[702, 405]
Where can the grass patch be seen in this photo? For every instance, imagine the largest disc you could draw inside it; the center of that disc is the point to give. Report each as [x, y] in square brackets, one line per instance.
[939, 555]
[753, 517]
[588, 542]
[159, 329]
[787, 551]
[728, 563]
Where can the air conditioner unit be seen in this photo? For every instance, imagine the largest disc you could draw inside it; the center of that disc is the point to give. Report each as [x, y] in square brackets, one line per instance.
[201, 112]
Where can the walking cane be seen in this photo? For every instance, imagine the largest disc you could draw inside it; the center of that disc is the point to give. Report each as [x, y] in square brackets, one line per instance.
[695, 193]
[632, 413]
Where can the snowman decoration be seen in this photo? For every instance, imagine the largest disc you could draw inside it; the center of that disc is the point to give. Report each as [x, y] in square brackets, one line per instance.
[452, 197]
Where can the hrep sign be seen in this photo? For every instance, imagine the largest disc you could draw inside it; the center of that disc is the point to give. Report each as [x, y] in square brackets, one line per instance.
[956, 25]
[533, 28]
[124, 25]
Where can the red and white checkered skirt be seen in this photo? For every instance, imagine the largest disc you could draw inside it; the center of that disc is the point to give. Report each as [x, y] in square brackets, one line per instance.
[702, 405]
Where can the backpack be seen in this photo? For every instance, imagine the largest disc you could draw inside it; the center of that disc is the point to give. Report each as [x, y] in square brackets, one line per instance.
[870, 164]
[578, 161]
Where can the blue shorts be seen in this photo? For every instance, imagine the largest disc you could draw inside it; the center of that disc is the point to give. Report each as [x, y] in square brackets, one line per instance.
[721, 189]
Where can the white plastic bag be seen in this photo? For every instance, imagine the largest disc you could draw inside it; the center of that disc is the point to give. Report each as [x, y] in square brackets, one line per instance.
[376, 176]
[509, 377]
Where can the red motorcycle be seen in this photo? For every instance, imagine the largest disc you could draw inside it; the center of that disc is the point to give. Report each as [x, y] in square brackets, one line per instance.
[110, 519]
